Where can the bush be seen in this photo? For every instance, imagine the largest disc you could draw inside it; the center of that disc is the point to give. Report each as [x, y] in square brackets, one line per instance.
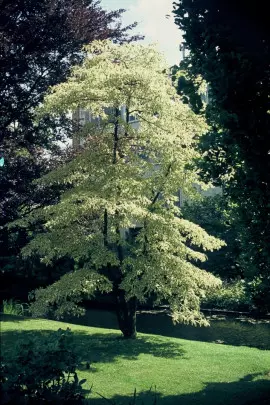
[42, 371]
[232, 296]
[259, 288]
[13, 307]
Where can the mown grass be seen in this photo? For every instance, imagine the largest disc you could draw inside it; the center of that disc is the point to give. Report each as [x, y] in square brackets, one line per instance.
[183, 372]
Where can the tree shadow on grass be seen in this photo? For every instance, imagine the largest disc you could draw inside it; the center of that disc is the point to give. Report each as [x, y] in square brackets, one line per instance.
[100, 347]
[246, 391]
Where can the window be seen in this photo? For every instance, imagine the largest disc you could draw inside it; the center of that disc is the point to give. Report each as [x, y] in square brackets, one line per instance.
[81, 116]
[132, 118]
[81, 113]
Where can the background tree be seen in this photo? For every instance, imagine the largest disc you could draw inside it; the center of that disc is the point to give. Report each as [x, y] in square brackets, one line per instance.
[188, 89]
[218, 219]
[39, 42]
[119, 218]
[229, 48]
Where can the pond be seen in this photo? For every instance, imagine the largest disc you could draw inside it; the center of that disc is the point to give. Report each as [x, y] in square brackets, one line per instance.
[237, 331]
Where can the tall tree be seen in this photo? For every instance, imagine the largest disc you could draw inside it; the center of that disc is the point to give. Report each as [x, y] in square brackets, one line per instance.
[119, 220]
[188, 90]
[229, 47]
[39, 43]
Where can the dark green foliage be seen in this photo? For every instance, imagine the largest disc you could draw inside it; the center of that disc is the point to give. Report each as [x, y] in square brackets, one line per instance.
[187, 89]
[42, 371]
[229, 47]
[21, 276]
[217, 217]
[258, 289]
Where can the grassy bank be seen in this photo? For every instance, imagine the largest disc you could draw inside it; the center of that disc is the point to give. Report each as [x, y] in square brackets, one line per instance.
[183, 372]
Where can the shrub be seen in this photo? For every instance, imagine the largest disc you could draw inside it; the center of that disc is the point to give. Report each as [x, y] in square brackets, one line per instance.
[232, 296]
[259, 288]
[13, 307]
[42, 371]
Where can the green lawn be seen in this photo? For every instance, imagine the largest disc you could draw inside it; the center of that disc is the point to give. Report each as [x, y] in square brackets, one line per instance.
[183, 372]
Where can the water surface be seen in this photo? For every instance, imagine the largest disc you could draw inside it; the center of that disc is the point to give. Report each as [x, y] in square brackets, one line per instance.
[237, 331]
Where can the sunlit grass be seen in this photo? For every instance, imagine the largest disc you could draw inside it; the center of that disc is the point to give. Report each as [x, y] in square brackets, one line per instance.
[184, 372]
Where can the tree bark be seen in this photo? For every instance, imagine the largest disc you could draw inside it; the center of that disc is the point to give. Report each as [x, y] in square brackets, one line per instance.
[126, 314]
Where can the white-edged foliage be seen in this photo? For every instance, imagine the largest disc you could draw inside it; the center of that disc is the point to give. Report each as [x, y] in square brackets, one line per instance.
[127, 177]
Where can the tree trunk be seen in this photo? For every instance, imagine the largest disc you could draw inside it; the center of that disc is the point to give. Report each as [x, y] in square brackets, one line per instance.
[125, 310]
[126, 314]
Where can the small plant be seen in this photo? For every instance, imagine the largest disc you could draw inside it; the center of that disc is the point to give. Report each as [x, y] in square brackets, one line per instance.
[42, 371]
[13, 307]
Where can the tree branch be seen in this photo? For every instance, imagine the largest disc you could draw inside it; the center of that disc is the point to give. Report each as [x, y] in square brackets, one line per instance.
[160, 191]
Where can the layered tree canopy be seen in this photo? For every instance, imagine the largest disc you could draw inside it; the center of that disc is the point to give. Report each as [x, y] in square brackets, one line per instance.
[120, 218]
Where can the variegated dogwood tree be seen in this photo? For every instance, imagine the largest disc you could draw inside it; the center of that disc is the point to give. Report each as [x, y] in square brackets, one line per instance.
[119, 218]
